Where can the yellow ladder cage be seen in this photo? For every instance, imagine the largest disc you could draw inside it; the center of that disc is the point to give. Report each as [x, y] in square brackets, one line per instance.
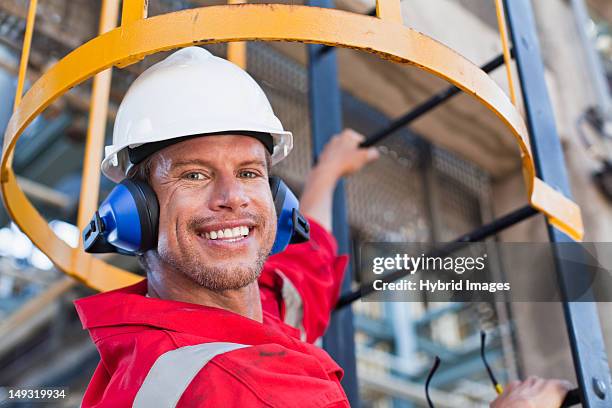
[138, 36]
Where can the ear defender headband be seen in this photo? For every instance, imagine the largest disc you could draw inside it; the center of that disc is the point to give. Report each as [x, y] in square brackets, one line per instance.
[127, 221]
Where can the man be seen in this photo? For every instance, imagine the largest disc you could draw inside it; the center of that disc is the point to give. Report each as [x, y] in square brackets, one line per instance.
[217, 323]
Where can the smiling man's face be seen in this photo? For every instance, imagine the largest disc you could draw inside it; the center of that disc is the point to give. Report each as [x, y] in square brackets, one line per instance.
[217, 221]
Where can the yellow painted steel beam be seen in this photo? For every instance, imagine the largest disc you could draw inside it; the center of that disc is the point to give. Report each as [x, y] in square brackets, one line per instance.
[98, 275]
[265, 22]
[96, 129]
[503, 33]
[133, 10]
[237, 53]
[25, 58]
[25, 51]
[237, 50]
[389, 10]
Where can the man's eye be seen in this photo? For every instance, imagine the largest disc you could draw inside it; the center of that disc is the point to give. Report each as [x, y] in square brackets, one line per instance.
[248, 174]
[195, 176]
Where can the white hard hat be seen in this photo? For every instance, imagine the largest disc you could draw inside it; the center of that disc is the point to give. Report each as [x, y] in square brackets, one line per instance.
[191, 92]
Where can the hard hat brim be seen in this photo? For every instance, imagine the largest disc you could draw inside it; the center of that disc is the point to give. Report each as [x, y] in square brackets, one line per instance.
[116, 163]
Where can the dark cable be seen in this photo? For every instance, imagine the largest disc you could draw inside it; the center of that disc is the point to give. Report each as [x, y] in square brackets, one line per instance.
[435, 366]
[498, 387]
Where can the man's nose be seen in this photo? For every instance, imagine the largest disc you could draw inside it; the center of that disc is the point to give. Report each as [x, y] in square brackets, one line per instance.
[228, 194]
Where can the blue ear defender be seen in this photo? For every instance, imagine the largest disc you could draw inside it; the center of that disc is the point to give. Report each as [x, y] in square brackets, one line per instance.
[292, 227]
[127, 220]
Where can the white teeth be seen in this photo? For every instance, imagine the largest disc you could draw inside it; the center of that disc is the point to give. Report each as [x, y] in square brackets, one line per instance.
[229, 234]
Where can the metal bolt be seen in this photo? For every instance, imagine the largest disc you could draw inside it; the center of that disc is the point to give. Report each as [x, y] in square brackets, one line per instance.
[599, 387]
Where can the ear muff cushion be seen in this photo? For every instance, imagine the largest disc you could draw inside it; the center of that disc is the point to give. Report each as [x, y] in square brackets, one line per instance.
[278, 193]
[148, 212]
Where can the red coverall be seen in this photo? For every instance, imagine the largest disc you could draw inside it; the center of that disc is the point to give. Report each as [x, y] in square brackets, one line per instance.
[163, 353]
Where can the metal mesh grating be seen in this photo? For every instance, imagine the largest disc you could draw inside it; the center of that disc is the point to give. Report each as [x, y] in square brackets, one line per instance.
[465, 189]
[386, 200]
[286, 84]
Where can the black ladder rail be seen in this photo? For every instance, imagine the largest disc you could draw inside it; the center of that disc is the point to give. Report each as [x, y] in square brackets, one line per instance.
[428, 105]
[476, 235]
[326, 120]
[582, 320]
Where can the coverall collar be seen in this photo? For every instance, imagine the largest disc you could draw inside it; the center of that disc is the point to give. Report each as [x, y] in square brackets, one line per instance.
[106, 313]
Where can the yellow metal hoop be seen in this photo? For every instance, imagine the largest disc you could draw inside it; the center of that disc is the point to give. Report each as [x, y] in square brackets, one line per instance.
[137, 38]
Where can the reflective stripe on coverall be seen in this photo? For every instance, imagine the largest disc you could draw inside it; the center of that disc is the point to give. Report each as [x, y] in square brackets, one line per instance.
[187, 355]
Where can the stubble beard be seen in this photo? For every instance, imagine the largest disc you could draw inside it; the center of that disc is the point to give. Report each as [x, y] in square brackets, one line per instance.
[189, 262]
